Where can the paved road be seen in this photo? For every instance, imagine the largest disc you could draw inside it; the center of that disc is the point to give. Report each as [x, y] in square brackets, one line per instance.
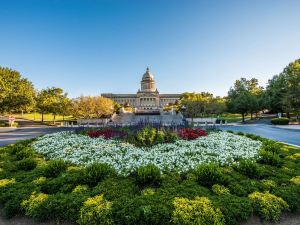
[290, 136]
[11, 135]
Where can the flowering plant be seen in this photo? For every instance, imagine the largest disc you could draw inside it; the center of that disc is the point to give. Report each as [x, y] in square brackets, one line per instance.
[107, 133]
[181, 156]
[191, 134]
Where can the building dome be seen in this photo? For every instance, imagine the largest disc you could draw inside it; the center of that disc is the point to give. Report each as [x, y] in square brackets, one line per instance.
[148, 83]
[148, 75]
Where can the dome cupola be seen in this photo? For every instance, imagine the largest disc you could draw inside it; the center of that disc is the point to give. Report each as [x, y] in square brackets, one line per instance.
[148, 82]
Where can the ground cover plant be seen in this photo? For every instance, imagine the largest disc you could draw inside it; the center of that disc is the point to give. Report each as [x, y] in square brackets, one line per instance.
[72, 177]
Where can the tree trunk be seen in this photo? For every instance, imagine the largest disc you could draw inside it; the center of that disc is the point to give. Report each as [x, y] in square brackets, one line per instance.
[42, 117]
[243, 116]
[251, 115]
[63, 118]
[54, 118]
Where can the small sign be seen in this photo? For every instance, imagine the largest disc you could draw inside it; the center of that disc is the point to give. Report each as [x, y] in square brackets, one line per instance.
[11, 120]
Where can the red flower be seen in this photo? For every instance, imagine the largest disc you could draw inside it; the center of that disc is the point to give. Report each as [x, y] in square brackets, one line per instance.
[191, 134]
[107, 133]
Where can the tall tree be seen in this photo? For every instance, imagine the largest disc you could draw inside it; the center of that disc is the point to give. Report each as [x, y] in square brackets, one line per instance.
[239, 98]
[291, 98]
[87, 107]
[16, 93]
[51, 100]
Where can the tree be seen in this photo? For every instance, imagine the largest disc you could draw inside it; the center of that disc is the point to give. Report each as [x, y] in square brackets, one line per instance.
[52, 100]
[291, 98]
[193, 108]
[16, 93]
[239, 98]
[275, 91]
[87, 107]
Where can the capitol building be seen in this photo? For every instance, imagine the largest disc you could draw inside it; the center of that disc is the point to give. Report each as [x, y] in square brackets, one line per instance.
[146, 98]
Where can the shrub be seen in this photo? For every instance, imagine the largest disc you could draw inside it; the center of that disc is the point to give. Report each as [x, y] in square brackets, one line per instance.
[40, 180]
[235, 209]
[296, 180]
[96, 211]
[220, 189]
[148, 191]
[97, 172]
[191, 133]
[280, 121]
[209, 174]
[23, 153]
[197, 211]
[240, 133]
[65, 183]
[146, 137]
[267, 205]
[5, 182]
[80, 189]
[149, 174]
[248, 168]
[33, 203]
[269, 158]
[26, 164]
[268, 184]
[290, 194]
[271, 146]
[54, 168]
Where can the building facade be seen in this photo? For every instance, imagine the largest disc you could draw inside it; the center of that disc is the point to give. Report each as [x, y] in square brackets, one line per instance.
[147, 97]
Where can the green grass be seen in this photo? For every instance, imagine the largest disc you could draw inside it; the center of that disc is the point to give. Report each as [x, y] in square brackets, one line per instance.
[38, 117]
[54, 190]
[232, 118]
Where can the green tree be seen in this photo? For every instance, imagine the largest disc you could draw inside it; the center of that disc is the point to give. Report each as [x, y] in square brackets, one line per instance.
[16, 93]
[52, 100]
[87, 107]
[291, 98]
[239, 98]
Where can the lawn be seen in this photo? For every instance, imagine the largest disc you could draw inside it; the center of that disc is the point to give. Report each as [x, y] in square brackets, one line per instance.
[107, 177]
[38, 117]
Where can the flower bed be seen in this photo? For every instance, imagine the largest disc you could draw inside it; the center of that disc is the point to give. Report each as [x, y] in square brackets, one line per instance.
[180, 156]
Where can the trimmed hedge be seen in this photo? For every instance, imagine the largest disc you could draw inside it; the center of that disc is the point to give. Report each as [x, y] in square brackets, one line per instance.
[280, 121]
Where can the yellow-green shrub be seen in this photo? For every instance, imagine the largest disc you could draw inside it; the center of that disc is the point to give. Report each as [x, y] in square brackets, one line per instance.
[197, 211]
[80, 189]
[267, 205]
[34, 202]
[5, 182]
[220, 189]
[296, 180]
[96, 211]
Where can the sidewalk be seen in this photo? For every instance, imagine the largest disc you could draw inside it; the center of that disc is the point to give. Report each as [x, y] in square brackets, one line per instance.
[291, 127]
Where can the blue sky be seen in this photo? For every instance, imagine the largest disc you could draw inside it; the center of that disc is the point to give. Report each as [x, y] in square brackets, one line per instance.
[93, 46]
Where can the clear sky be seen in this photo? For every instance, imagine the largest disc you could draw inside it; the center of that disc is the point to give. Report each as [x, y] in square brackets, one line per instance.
[93, 46]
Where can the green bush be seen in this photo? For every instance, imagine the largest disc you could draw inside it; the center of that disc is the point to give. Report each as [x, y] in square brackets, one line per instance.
[271, 146]
[26, 164]
[96, 172]
[267, 157]
[143, 210]
[96, 211]
[33, 203]
[220, 189]
[197, 211]
[240, 133]
[148, 175]
[235, 209]
[248, 168]
[24, 153]
[209, 174]
[146, 136]
[280, 121]
[267, 205]
[290, 194]
[64, 183]
[54, 168]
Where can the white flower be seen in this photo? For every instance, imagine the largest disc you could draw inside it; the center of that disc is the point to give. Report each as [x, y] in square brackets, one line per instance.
[181, 156]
